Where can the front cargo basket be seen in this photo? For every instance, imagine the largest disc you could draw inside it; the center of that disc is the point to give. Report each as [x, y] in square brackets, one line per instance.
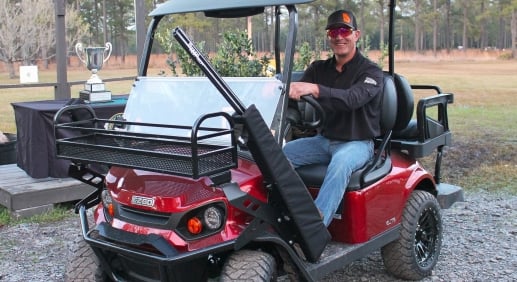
[208, 151]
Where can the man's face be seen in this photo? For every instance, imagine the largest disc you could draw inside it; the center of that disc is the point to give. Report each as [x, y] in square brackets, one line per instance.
[343, 40]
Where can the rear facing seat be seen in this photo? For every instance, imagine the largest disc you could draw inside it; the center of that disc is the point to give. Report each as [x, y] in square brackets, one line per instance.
[425, 134]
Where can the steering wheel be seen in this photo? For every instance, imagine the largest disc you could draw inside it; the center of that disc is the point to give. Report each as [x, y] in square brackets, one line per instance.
[319, 113]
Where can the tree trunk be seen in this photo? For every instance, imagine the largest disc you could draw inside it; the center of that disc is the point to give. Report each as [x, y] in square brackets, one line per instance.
[96, 24]
[402, 37]
[514, 33]
[448, 42]
[10, 70]
[361, 16]
[44, 56]
[104, 23]
[501, 33]
[435, 27]
[483, 27]
[465, 24]
[381, 20]
[272, 34]
[418, 30]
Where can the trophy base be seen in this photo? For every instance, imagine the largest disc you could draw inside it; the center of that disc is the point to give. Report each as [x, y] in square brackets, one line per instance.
[95, 96]
[94, 86]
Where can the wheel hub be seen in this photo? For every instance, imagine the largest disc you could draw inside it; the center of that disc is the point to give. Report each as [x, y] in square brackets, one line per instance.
[426, 237]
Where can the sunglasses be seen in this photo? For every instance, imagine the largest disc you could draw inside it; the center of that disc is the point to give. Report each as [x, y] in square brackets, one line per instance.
[342, 31]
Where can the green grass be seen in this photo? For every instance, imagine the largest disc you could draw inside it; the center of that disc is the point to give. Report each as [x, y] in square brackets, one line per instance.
[59, 212]
[493, 178]
[499, 122]
[482, 120]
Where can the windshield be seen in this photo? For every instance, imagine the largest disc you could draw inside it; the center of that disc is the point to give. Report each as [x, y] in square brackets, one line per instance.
[182, 100]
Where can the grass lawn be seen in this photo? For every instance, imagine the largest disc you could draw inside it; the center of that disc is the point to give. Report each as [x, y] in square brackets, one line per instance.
[482, 118]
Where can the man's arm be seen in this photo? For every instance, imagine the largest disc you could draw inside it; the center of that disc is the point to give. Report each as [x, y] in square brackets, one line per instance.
[367, 87]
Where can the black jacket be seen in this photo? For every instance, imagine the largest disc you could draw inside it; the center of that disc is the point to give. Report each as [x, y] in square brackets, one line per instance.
[351, 98]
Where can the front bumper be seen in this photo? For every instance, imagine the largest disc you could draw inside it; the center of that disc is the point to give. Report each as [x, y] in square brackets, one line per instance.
[127, 256]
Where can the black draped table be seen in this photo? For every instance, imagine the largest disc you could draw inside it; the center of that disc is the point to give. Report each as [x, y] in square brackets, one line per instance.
[36, 152]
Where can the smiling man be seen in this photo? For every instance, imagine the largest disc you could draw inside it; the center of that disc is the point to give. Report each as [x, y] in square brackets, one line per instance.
[348, 86]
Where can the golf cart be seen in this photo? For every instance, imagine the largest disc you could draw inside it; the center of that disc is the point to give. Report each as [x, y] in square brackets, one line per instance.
[197, 186]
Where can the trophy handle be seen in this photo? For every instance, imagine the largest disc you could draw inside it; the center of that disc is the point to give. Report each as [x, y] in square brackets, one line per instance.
[80, 52]
[107, 49]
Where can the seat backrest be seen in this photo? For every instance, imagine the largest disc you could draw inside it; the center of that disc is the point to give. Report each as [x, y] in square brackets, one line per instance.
[389, 107]
[405, 102]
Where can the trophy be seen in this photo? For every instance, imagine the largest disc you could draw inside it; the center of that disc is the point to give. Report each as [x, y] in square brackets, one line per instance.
[94, 58]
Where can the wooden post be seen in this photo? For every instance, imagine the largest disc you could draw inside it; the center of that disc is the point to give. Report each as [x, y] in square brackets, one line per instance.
[62, 89]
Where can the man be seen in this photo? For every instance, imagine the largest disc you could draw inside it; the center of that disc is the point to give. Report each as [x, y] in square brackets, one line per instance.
[348, 86]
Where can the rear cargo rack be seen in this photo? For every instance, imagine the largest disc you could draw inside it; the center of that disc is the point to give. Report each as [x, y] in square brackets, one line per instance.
[208, 151]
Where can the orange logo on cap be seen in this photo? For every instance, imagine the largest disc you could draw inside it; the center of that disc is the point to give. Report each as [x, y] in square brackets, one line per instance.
[346, 18]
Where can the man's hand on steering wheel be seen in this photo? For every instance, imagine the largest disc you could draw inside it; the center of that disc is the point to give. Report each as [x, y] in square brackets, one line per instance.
[320, 114]
[299, 89]
[308, 92]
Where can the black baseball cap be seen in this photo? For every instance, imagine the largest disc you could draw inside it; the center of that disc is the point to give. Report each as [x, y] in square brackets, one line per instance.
[341, 18]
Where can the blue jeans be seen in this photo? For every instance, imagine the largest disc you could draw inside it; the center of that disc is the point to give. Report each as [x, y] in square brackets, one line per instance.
[342, 157]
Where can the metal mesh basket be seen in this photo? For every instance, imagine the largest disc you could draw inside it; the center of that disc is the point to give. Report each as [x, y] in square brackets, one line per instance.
[199, 155]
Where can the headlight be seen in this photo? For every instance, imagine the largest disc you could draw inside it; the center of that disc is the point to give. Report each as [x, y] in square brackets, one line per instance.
[213, 218]
[202, 221]
[107, 203]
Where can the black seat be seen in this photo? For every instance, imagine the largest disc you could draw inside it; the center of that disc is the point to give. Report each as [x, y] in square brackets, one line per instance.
[380, 165]
[426, 134]
[405, 105]
[423, 135]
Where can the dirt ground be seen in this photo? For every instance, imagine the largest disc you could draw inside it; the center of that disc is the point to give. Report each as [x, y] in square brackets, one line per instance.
[466, 158]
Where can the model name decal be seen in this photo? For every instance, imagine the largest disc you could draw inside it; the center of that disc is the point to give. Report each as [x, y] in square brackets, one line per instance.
[142, 201]
[390, 221]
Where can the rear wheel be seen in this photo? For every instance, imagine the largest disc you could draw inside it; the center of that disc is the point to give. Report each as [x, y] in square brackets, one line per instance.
[83, 265]
[415, 253]
[249, 265]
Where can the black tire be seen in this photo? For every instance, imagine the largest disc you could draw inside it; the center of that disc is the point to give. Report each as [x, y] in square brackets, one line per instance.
[415, 253]
[249, 265]
[83, 265]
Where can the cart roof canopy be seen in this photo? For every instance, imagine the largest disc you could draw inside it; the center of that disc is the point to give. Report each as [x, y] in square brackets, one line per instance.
[221, 8]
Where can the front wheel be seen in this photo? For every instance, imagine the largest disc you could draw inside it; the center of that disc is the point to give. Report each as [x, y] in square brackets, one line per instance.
[415, 253]
[83, 265]
[249, 265]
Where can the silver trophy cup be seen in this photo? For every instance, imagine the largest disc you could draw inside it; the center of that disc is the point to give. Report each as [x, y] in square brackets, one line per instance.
[93, 58]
